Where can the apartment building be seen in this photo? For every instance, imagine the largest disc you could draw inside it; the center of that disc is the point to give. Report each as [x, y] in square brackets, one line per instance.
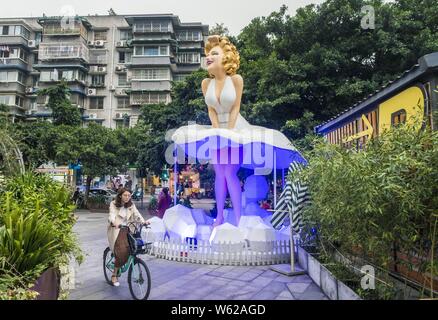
[112, 64]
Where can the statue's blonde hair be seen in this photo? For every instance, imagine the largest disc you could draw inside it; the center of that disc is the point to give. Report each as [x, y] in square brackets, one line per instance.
[231, 60]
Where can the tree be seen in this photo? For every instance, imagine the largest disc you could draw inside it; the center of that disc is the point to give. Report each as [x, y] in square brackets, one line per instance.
[320, 61]
[219, 29]
[62, 110]
[38, 141]
[97, 149]
[4, 113]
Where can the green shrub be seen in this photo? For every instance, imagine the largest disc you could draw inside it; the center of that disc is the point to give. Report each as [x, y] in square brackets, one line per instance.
[97, 202]
[36, 222]
[379, 200]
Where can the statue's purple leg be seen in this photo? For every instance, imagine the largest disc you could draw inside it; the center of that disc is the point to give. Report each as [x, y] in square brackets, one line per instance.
[220, 189]
[234, 188]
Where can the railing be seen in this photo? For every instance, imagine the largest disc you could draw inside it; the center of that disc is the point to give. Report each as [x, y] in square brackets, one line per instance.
[63, 51]
[13, 61]
[239, 254]
[152, 27]
[64, 31]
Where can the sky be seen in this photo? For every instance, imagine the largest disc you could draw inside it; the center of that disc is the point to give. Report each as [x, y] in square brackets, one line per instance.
[234, 14]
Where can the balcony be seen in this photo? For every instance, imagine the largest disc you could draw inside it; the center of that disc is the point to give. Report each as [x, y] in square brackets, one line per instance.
[98, 57]
[143, 98]
[139, 85]
[154, 38]
[13, 40]
[152, 28]
[58, 31]
[151, 60]
[14, 63]
[63, 51]
[12, 87]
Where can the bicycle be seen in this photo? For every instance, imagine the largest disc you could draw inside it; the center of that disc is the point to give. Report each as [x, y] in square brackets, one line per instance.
[139, 276]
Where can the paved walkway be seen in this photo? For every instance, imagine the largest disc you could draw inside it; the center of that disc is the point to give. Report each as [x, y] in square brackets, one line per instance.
[181, 281]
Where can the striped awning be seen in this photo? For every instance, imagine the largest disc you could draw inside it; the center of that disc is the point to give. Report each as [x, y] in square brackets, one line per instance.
[294, 198]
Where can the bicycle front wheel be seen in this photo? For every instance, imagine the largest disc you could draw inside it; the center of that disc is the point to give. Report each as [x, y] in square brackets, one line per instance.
[139, 280]
[108, 265]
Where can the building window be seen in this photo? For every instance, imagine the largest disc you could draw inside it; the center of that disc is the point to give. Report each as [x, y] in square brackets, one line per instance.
[96, 103]
[15, 31]
[7, 52]
[100, 35]
[125, 35]
[152, 26]
[125, 57]
[98, 80]
[151, 74]
[6, 100]
[179, 77]
[122, 103]
[123, 79]
[20, 77]
[98, 57]
[152, 50]
[57, 75]
[398, 117]
[149, 98]
[19, 101]
[189, 35]
[189, 57]
[11, 76]
[5, 30]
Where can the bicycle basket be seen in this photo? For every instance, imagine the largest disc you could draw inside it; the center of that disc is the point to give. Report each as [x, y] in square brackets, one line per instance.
[136, 244]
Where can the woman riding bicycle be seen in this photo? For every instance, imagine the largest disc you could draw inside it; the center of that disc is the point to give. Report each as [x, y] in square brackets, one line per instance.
[122, 211]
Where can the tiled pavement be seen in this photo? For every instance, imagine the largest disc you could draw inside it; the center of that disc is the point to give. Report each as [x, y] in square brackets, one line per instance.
[181, 281]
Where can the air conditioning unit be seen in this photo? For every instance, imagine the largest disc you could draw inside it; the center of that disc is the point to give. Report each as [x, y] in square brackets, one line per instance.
[121, 43]
[121, 92]
[101, 69]
[94, 68]
[120, 68]
[91, 92]
[118, 115]
[90, 43]
[99, 43]
[93, 115]
[29, 90]
[31, 43]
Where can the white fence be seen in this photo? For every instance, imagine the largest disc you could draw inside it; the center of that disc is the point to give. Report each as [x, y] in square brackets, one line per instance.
[240, 254]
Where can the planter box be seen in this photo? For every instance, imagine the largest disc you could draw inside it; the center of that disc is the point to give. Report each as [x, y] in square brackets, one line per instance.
[345, 293]
[48, 285]
[329, 284]
[303, 258]
[332, 287]
[314, 270]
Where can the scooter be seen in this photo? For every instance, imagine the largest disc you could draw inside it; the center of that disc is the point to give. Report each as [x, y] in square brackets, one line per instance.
[137, 195]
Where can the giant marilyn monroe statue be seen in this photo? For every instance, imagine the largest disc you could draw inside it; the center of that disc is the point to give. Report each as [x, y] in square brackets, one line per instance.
[230, 142]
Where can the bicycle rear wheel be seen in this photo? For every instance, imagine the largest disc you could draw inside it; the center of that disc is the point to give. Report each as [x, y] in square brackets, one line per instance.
[107, 264]
[139, 280]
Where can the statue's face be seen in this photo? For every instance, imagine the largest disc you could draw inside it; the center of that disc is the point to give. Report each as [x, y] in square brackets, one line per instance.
[214, 60]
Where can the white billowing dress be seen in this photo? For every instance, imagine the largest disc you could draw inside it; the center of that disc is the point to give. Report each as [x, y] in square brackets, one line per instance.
[261, 146]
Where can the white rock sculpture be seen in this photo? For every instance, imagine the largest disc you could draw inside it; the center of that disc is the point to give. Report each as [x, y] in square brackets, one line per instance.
[203, 232]
[226, 233]
[179, 223]
[247, 223]
[155, 232]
